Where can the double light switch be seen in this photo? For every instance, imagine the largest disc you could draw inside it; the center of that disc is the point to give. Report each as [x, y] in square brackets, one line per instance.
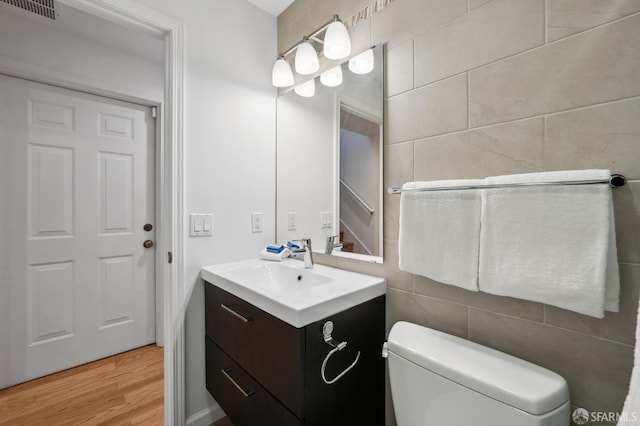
[200, 225]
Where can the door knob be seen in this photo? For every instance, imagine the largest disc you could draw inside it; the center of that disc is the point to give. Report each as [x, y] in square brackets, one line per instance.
[147, 227]
[148, 244]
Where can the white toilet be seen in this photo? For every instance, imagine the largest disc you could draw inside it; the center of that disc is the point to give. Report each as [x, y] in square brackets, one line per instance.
[442, 380]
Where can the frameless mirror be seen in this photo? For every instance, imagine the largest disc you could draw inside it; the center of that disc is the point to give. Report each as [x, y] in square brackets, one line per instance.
[329, 164]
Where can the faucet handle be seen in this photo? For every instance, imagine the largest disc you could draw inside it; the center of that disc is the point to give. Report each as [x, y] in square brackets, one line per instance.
[306, 242]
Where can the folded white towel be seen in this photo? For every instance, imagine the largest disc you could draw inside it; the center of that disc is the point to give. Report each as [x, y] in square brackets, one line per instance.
[440, 231]
[278, 257]
[632, 402]
[551, 244]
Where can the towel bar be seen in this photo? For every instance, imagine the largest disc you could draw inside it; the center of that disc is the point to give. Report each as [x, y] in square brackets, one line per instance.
[615, 181]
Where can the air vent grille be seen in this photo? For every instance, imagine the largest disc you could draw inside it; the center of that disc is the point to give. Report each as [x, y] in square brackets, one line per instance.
[46, 8]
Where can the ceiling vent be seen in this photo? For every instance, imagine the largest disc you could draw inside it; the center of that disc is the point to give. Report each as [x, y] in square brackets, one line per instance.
[46, 8]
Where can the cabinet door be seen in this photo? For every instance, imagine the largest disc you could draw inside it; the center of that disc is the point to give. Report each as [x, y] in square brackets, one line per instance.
[269, 349]
[244, 400]
[357, 398]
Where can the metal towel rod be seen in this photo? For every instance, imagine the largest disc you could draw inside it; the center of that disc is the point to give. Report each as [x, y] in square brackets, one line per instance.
[615, 181]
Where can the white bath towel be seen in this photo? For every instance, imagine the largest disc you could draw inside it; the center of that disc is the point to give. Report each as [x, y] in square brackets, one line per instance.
[631, 410]
[278, 257]
[551, 244]
[440, 232]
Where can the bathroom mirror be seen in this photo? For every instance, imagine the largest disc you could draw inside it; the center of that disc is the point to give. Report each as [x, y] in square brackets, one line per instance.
[329, 164]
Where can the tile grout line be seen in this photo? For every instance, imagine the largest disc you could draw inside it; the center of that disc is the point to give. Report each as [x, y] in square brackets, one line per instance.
[516, 120]
[546, 21]
[581, 333]
[540, 46]
[468, 101]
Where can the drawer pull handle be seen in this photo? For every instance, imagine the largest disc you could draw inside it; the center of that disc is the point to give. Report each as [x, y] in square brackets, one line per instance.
[244, 393]
[235, 314]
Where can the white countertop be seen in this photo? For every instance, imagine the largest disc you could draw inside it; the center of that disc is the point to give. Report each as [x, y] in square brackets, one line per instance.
[292, 293]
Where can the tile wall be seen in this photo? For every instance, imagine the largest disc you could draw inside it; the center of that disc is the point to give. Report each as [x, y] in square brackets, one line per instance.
[477, 88]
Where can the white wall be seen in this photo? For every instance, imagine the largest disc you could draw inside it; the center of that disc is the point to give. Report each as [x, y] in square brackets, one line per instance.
[230, 46]
[229, 125]
[26, 45]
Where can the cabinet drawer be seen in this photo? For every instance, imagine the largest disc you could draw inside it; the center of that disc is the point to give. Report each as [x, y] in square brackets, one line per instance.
[266, 347]
[244, 400]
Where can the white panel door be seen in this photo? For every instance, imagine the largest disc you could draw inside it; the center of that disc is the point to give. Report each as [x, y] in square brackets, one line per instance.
[76, 190]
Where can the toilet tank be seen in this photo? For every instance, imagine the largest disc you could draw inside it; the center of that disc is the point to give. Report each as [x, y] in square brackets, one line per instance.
[442, 380]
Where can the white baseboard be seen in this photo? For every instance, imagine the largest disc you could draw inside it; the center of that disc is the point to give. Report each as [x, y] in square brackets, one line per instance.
[205, 417]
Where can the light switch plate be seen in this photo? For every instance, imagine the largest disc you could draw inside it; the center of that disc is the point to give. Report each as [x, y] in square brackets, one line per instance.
[200, 225]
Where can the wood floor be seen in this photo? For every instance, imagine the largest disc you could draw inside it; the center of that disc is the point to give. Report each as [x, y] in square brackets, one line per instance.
[125, 389]
[223, 422]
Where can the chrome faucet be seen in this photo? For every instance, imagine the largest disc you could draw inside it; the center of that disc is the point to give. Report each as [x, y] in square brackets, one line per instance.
[306, 249]
[333, 242]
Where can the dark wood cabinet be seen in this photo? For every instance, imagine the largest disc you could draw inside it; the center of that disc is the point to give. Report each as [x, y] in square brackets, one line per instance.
[263, 371]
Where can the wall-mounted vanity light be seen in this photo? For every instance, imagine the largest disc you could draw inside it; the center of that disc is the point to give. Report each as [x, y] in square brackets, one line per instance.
[282, 76]
[306, 89]
[335, 44]
[307, 61]
[332, 77]
[362, 63]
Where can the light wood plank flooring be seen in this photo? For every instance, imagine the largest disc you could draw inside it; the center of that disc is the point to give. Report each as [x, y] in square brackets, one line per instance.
[223, 422]
[125, 389]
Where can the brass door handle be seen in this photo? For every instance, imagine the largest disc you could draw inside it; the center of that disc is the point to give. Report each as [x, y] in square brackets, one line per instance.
[147, 244]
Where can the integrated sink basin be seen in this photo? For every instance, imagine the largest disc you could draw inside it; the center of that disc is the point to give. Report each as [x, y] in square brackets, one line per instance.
[292, 293]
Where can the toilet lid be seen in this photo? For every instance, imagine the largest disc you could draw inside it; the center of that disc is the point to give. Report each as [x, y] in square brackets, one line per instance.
[508, 379]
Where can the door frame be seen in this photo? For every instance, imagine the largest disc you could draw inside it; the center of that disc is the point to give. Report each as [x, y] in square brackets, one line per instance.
[170, 291]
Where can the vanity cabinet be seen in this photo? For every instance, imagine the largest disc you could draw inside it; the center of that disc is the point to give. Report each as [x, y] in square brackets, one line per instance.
[265, 372]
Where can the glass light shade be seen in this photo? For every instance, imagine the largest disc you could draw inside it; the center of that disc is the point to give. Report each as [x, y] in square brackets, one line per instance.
[306, 59]
[282, 76]
[337, 44]
[332, 77]
[306, 90]
[363, 63]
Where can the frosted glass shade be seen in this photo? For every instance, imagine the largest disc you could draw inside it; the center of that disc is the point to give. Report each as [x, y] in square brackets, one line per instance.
[337, 44]
[306, 90]
[306, 59]
[282, 76]
[332, 77]
[362, 63]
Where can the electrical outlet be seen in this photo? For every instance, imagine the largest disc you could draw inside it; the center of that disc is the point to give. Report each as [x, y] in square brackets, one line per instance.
[292, 221]
[256, 222]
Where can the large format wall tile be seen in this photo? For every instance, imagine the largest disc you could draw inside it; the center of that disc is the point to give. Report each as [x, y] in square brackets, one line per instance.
[505, 305]
[597, 370]
[431, 110]
[600, 137]
[302, 19]
[567, 17]
[495, 31]
[474, 4]
[433, 313]
[515, 147]
[403, 20]
[626, 209]
[399, 69]
[398, 169]
[618, 326]
[396, 277]
[593, 67]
